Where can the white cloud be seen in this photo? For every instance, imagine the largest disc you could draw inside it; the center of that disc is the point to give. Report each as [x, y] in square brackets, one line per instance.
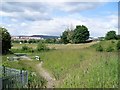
[14, 20]
[60, 0]
[96, 26]
[24, 24]
[36, 18]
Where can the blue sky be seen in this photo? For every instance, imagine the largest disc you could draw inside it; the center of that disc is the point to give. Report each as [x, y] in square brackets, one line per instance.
[52, 18]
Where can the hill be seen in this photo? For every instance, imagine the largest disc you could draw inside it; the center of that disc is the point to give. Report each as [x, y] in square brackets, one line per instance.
[45, 36]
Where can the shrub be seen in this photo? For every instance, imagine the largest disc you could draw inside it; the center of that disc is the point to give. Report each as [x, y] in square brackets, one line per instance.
[112, 41]
[42, 47]
[25, 48]
[118, 45]
[109, 49]
[99, 48]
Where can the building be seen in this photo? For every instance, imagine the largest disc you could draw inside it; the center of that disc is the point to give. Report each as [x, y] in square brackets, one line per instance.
[25, 38]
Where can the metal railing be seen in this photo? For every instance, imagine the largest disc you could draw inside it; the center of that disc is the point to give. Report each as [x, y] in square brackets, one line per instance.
[13, 78]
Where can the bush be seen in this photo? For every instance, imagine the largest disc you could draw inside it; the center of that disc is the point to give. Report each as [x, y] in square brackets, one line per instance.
[99, 48]
[25, 48]
[118, 45]
[109, 49]
[42, 47]
[112, 41]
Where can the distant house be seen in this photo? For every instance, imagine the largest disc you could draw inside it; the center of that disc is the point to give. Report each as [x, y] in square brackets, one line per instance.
[92, 39]
[36, 37]
[24, 38]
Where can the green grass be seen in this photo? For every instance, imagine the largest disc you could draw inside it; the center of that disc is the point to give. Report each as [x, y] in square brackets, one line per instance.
[33, 80]
[69, 66]
[77, 66]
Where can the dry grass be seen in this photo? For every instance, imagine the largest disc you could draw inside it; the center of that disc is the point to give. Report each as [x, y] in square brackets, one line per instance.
[56, 46]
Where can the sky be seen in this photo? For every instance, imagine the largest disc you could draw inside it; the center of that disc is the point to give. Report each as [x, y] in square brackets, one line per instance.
[52, 18]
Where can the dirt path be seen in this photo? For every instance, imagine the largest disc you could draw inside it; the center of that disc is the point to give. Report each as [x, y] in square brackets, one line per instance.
[50, 81]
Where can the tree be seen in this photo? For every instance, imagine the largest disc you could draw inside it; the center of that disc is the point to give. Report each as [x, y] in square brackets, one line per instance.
[118, 37]
[118, 45]
[70, 36]
[6, 40]
[81, 34]
[111, 35]
[25, 41]
[64, 37]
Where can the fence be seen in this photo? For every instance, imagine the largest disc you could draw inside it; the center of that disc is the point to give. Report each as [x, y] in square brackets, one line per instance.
[13, 78]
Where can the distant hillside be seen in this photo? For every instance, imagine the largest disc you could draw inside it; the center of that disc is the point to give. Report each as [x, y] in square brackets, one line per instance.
[44, 36]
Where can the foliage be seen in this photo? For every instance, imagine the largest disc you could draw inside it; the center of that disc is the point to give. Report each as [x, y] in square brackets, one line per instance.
[6, 40]
[25, 41]
[64, 38]
[111, 35]
[42, 47]
[81, 34]
[51, 40]
[31, 41]
[109, 49]
[15, 41]
[118, 45]
[78, 67]
[118, 37]
[99, 48]
[26, 48]
[35, 81]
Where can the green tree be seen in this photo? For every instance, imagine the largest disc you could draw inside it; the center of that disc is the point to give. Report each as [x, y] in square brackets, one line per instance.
[81, 34]
[64, 37]
[111, 35]
[118, 37]
[25, 41]
[70, 36]
[6, 40]
[118, 45]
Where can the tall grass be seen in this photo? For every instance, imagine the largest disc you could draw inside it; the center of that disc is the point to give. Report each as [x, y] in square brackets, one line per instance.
[80, 66]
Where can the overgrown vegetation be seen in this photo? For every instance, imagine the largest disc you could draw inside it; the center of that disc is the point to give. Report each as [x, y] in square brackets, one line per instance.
[99, 48]
[42, 47]
[73, 65]
[34, 79]
[77, 65]
[106, 46]
[79, 35]
[84, 67]
[118, 45]
[5, 41]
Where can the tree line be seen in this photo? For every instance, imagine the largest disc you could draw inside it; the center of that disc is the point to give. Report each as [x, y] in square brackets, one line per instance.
[78, 35]
[49, 40]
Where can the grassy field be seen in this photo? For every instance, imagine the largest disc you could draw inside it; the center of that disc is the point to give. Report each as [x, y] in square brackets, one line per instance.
[82, 68]
[77, 66]
[55, 46]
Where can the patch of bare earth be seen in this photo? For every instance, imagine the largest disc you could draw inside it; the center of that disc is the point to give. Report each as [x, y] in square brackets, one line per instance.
[45, 74]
